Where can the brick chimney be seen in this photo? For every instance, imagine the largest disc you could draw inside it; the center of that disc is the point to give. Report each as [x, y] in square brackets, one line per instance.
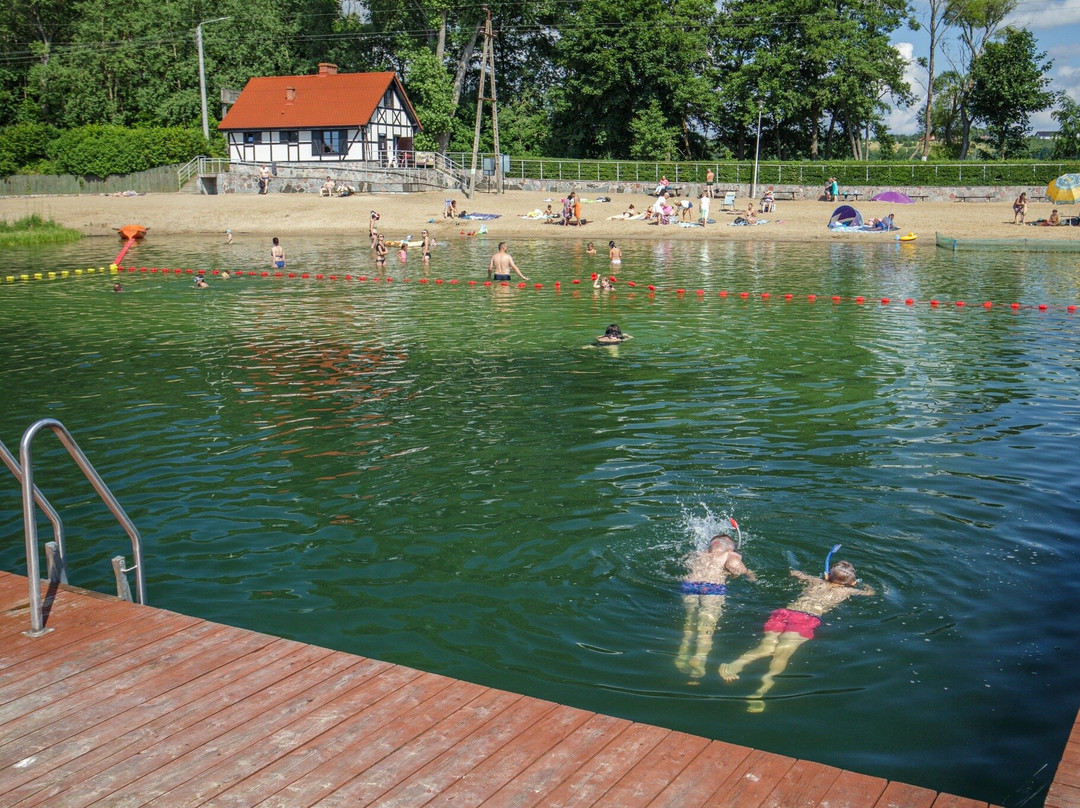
[290, 95]
[327, 69]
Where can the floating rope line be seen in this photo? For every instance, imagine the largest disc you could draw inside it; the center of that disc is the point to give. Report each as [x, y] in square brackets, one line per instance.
[652, 289]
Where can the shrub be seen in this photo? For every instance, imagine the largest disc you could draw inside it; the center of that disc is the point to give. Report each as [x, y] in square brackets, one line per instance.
[98, 151]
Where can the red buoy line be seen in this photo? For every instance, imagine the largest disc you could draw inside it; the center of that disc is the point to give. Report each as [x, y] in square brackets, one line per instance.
[652, 289]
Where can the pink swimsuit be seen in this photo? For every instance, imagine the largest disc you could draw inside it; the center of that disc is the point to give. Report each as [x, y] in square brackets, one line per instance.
[802, 623]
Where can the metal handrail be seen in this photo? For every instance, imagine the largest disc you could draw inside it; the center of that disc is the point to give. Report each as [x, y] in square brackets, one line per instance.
[37, 623]
[44, 504]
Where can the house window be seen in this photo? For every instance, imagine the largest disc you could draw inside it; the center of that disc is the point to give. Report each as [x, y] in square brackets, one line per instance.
[289, 136]
[252, 138]
[329, 141]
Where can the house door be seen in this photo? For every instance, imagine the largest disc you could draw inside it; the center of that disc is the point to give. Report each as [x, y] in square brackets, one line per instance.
[249, 152]
[382, 150]
[293, 152]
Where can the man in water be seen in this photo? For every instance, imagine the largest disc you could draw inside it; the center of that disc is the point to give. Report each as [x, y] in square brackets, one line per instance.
[704, 593]
[501, 264]
[788, 628]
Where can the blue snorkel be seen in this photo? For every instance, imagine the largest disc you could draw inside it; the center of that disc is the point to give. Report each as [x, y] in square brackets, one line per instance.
[738, 546]
[828, 557]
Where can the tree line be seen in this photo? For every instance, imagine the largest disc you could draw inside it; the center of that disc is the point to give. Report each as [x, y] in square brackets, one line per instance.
[616, 79]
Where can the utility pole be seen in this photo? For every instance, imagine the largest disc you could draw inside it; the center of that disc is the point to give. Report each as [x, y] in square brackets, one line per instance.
[202, 72]
[487, 71]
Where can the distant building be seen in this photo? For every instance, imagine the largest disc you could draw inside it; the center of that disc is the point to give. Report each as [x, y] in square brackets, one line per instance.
[1045, 135]
[328, 117]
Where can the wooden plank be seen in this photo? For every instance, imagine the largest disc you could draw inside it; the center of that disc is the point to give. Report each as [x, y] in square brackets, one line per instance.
[900, 795]
[315, 769]
[696, 784]
[1061, 795]
[461, 758]
[238, 769]
[176, 759]
[804, 785]
[386, 759]
[644, 782]
[951, 801]
[99, 725]
[494, 772]
[534, 785]
[599, 773]
[191, 726]
[750, 782]
[853, 790]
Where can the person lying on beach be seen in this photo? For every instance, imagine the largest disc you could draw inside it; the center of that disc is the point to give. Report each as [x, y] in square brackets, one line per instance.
[612, 336]
[704, 595]
[788, 628]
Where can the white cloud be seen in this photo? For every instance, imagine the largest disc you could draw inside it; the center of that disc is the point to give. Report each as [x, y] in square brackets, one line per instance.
[1045, 15]
[905, 121]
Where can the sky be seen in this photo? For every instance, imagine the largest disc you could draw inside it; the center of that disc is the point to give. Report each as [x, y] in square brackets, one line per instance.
[1056, 26]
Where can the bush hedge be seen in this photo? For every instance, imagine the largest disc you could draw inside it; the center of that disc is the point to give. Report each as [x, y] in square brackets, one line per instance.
[98, 151]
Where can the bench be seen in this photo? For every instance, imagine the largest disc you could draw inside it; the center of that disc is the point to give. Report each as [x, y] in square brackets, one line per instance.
[919, 196]
[972, 197]
[785, 194]
[855, 194]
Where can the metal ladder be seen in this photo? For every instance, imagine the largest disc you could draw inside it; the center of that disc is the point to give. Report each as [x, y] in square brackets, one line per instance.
[56, 556]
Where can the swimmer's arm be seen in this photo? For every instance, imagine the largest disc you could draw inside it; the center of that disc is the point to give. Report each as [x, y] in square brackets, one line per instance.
[735, 566]
[491, 266]
[802, 576]
[518, 271]
[866, 590]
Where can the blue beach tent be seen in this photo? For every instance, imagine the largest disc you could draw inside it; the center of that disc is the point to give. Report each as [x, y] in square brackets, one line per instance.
[846, 216]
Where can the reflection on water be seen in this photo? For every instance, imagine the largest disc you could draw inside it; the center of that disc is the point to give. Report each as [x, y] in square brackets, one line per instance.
[444, 475]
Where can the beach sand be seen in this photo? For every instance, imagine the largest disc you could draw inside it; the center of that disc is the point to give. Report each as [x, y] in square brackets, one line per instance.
[405, 214]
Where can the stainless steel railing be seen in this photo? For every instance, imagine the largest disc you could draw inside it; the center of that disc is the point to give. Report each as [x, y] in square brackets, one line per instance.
[24, 472]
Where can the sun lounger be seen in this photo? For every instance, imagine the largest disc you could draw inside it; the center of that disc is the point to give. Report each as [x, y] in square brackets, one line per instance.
[728, 202]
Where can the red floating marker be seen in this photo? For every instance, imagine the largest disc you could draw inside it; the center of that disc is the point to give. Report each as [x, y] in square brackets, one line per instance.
[521, 286]
[723, 293]
[277, 274]
[332, 277]
[438, 280]
[575, 280]
[423, 280]
[538, 286]
[885, 301]
[594, 277]
[680, 291]
[187, 271]
[909, 302]
[789, 296]
[860, 300]
[934, 304]
[455, 280]
[1042, 307]
[360, 278]
[472, 283]
[1070, 308]
[487, 283]
[811, 298]
[744, 295]
[318, 277]
[305, 274]
[266, 274]
[701, 292]
[960, 304]
[628, 283]
[988, 305]
[389, 280]
[292, 274]
[613, 279]
[213, 272]
[348, 277]
[836, 298]
[765, 295]
[1014, 305]
[652, 288]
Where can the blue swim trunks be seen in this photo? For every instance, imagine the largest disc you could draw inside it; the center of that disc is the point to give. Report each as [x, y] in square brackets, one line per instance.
[702, 588]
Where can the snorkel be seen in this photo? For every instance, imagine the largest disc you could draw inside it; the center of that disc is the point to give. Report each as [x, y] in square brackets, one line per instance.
[828, 558]
[738, 546]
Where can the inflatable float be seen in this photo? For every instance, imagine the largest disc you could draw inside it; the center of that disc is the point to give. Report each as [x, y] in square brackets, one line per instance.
[907, 237]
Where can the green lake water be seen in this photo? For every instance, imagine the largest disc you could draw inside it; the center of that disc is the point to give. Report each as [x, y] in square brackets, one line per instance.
[453, 477]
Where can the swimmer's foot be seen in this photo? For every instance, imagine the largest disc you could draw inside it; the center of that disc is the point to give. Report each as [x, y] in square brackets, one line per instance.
[697, 668]
[755, 706]
[682, 665]
[727, 674]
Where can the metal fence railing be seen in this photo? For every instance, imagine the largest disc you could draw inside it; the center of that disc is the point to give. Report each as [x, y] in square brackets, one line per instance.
[786, 173]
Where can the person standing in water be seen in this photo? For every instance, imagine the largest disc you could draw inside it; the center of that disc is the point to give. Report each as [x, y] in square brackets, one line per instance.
[501, 264]
[704, 594]
[788, 628]
[614, 253]
[277, 254]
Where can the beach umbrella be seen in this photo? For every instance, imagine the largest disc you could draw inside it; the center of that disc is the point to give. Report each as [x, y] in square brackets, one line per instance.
[895, 197]
[1064, 189]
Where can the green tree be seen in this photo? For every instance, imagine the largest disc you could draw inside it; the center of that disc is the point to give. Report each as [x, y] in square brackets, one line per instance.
[1008, 84]
[653, 137]
[1067, 143]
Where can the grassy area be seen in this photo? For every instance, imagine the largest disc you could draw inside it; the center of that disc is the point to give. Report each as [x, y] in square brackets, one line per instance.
[33, 229]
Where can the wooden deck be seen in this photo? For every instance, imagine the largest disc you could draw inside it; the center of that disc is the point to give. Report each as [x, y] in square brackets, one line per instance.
[124, 705]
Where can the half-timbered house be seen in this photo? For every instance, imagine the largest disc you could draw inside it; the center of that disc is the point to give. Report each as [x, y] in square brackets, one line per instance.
[327, 117]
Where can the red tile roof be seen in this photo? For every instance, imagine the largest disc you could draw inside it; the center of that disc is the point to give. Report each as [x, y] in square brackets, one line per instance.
[319, 101]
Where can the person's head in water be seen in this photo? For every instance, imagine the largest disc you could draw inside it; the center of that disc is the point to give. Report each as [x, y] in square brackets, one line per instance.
[720, 543]
[613, 331]
[842, 572]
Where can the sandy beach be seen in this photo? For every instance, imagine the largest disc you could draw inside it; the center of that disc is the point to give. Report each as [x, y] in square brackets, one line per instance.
[403, 214]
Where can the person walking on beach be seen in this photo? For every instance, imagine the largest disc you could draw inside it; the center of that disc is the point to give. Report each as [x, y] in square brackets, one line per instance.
[1020, 208]
[277, 254]
[704, 594]
[501, 264]
[703, 207]
[264, 179]
[788, 628]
